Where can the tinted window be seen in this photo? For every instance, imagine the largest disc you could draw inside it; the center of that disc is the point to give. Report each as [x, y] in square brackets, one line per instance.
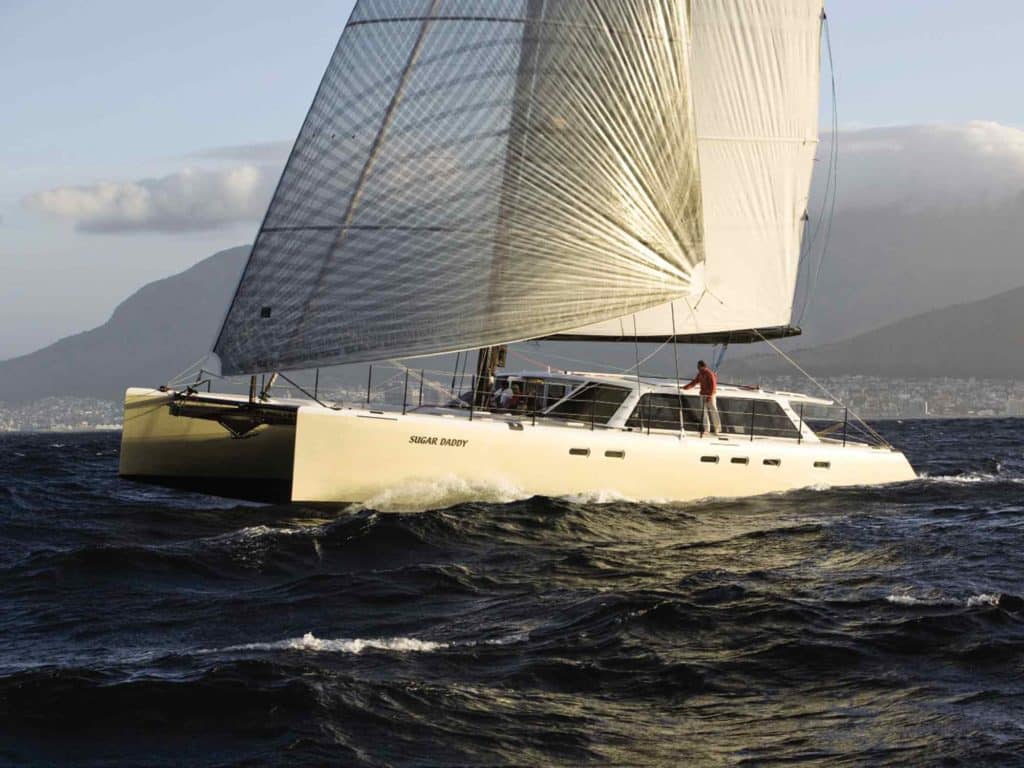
[661, 411]
[658, 411]
[767, 419]
[594, 401]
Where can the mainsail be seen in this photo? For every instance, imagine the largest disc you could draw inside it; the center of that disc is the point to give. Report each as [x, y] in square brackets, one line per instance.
[477, 173]
[755, 69]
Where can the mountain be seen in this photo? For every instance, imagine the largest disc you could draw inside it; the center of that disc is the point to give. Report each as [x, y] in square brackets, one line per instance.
[983, 339]
[888, 263]
[154, 334]
[167, 325]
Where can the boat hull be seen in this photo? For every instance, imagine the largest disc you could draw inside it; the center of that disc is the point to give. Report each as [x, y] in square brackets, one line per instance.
[355, 456]
[201, 455]
[358, 455]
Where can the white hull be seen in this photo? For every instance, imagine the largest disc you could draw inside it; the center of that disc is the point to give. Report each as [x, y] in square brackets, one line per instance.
[355, 455]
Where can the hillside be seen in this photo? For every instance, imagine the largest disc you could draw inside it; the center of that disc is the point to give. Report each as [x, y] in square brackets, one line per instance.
[158, 331]
[984, 339]
[169, 324]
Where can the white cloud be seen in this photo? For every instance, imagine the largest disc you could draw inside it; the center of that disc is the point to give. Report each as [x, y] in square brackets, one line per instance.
[189, 200]
[273, 153]
[914, 167]
[922, 165]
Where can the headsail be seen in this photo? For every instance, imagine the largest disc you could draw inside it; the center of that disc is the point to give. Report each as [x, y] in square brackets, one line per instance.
[755, 70]
[476, 173]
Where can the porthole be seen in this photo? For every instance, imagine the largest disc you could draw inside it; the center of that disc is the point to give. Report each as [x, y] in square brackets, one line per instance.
[772, 462]
[579, 451]
[739, 460]
[709, 459]
[615, 454]
[822, 464]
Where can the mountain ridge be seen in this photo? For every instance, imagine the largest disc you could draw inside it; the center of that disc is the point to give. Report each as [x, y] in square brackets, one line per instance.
[159, 330]
[169, 324]
[958, 341]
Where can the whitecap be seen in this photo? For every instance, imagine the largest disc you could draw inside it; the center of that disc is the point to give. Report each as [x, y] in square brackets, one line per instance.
[599, 497]
[973, 601]
[970, 478]
[904, 599]
[442, 492]
[983, 599]
[309, 642]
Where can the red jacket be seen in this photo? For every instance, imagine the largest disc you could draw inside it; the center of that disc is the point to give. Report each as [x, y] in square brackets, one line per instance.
[708, 382]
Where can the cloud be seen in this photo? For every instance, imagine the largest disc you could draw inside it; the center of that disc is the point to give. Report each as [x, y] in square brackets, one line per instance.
[189, 200]
[920, 166]
[273, 153]
[912, 167]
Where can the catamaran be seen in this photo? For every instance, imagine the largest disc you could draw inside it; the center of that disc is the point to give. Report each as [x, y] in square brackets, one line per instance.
[475, 174]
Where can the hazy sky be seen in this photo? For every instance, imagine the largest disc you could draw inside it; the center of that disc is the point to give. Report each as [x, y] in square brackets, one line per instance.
[138, 138]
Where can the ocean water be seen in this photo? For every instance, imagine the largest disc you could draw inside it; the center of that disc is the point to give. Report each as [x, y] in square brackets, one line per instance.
[862, 626]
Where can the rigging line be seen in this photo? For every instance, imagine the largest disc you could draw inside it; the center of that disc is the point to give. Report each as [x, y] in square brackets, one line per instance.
[835, 161]
[455, 371]
[824, 389]
[313, 397]
[420, 373]
[720, 356]
[647, 411]
[530, 360]
[831, 186]
[610, 368]
[833, 155]
[648, 357]
[675, 355]
[187, 372]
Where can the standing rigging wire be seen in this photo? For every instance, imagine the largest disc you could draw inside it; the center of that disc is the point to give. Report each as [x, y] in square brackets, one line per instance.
[455, 370]
[824, 389]
[719, 357]
[830, 193]
[675, 356]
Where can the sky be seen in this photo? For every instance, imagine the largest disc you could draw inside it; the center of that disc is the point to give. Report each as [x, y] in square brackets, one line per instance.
[139, 138]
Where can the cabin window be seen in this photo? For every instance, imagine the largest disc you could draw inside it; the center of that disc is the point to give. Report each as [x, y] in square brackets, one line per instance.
[554, 393]
[594, 402]
[534, 394]
[661, 411]
[767, 420]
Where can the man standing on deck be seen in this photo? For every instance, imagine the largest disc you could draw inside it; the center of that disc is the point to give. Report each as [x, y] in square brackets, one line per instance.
[708, 394]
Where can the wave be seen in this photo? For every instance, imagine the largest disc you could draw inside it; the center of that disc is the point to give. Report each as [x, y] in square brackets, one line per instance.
[356, 645]
[980, 600]
[309, 642]
[970, 478]
[442, 492]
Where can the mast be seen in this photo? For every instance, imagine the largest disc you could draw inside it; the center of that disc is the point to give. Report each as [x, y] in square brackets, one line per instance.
[489, 359]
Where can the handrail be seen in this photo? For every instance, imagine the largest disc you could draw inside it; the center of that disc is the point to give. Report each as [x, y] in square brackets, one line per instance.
[751, 417]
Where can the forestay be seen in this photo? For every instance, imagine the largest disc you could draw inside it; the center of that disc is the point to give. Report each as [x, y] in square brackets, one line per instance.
[476, 173]
[755, 71]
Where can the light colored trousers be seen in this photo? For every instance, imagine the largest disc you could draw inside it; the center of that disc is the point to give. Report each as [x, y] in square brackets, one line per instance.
[710, 408]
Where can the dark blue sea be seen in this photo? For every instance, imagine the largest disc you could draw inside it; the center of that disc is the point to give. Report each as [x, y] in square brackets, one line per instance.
[863, 626]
